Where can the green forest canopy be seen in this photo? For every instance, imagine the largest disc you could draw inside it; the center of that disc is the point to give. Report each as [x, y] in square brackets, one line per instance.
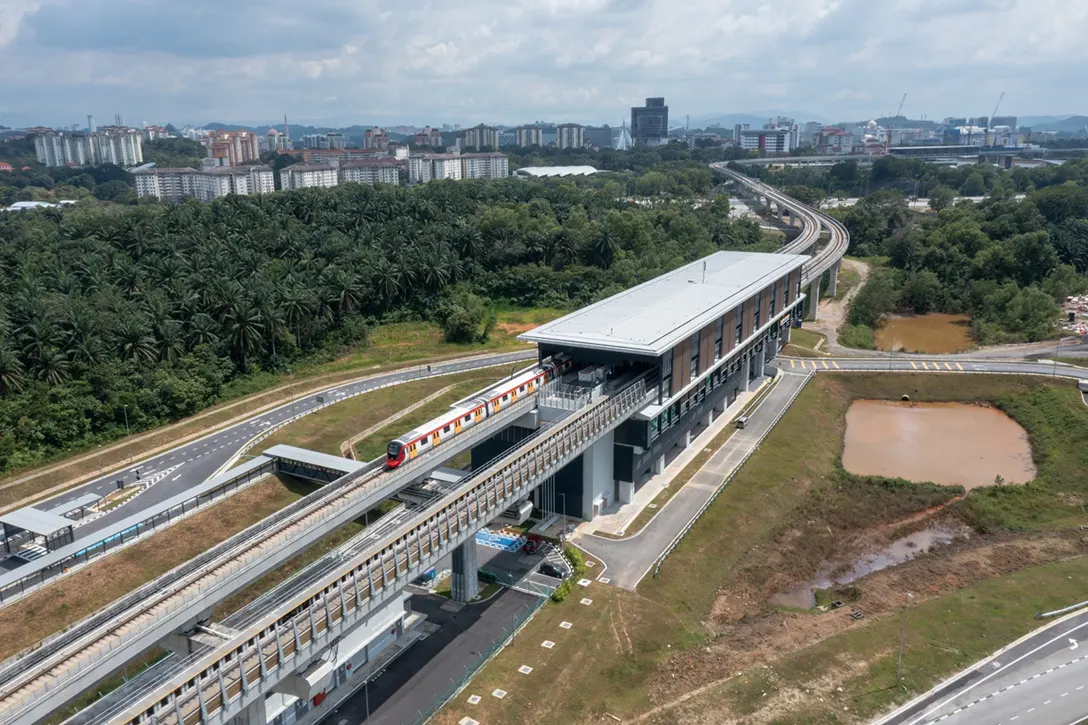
[157, 307]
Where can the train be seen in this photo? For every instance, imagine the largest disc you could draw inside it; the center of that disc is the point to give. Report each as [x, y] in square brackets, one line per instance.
[462, 416]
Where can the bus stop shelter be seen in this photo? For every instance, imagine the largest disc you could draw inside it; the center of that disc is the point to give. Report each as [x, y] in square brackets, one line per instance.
[56, 530]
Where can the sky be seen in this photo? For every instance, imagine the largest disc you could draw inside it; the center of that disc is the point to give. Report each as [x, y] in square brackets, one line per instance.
[342, 62]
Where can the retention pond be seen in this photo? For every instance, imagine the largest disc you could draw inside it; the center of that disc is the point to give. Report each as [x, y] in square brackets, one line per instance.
[944, 443]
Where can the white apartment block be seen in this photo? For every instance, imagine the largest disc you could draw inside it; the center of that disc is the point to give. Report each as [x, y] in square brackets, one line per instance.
[768, 140]
[370, 171]
[529, 136]
[305, 176]
[175, 185]
[570, 136]
[480, 136]
[120, 146]
[484, 166]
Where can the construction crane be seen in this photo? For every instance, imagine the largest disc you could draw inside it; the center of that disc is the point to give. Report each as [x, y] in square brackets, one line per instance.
[990, 124]
[888, 131]
[901, 106]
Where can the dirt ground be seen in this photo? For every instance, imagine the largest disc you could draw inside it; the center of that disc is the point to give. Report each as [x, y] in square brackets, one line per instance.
[515, 328]
[749, 632]
[832, 312]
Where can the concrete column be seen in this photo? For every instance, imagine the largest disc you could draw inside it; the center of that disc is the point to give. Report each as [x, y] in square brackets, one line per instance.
[781, 213]
[814, 298]
[254, 714]
[719, 407]
[784, 334]
[687, 438]
[708, 419]
[597, 478]
[746, 375]
[626, 491]
[659, 465]
[834, 283]
[465, 583]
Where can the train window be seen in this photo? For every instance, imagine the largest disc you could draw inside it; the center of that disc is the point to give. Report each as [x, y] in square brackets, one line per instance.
[446, 429]
[467, 417]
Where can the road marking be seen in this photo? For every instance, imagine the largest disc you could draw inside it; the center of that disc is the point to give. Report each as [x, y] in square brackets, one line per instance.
[948, 366]
[1072, 643]
[1079, 688]
[959, 366]
[1048, 702]
[825, 364]
[792, 364]
[1064, 694]
[913, 365]
[176, 477]
[835, 364]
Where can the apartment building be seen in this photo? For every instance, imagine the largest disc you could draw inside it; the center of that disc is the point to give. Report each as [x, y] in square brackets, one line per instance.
[231, 148]
[304, 176]
[429, 137]
[370, 171]
[570, 136]
[529, 136]
[175, 185]
[480, 137]
[428, 167]
[375, 138]
[492, 165]
[110, 145]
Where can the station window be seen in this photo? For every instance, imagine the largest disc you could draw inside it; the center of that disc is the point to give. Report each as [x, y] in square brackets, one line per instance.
[740, 325]
[755, 315]
[719, 330]
[666, 371]
[695, 340]
[774, 300]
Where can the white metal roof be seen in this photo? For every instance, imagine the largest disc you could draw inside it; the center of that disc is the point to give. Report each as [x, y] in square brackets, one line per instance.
[36, 521]
[556, 171]
[313, 458]
[654, 316]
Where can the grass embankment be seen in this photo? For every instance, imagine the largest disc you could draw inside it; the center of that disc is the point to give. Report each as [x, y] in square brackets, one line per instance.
[58, 605]
[805, 343]
[325, 430]
[683, 638]
[390, 346]
[849, 278]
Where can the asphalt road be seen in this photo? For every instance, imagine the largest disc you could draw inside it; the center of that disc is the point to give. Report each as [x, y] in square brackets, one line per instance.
[192, 463]
[1042, 680]
[630, 559]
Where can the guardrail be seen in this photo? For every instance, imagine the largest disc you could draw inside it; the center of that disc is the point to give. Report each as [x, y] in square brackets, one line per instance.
[721, 487]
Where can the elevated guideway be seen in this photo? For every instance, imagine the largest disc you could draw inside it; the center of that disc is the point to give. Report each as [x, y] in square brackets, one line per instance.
[275, 640]
[43, 678]
[814, 222]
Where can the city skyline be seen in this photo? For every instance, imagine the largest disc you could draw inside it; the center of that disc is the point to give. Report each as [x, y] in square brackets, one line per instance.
[337, 63]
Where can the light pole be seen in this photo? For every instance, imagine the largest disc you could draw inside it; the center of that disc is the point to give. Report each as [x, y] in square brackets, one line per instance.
[127, 431]
[902, 637]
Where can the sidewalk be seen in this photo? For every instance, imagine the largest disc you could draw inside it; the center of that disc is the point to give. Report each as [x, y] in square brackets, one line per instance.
[618, 517]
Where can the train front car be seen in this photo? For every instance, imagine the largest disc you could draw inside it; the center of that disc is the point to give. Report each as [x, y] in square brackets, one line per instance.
[394, 455]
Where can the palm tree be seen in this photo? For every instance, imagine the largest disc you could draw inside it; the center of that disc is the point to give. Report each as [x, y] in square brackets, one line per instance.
[202, 330]
[604, 247]
[51, 366]
[169, 343]
[134, 342]
[245, 331]
[11, 371]
[296, 308]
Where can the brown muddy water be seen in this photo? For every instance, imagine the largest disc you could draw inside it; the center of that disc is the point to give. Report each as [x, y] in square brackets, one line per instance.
[803, 596]
[946, 443]
[934, 333]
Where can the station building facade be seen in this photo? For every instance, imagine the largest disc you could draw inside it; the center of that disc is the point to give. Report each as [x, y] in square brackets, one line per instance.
[702, 333]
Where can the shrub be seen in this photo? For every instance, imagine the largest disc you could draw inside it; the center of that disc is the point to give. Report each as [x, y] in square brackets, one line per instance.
[857, 336]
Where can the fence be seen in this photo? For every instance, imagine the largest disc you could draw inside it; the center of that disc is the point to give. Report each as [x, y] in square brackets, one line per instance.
[702, 509]
[497, 644]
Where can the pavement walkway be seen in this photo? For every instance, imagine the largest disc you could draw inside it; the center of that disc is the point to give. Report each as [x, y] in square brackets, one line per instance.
[630, 559]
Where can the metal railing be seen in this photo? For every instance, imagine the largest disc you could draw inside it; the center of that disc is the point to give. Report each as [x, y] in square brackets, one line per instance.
[350, 593]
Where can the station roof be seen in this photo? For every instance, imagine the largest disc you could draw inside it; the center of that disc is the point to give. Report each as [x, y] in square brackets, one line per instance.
[87, 499]
[545, 171]
[313, 458]
[36, 521]
[653, 317]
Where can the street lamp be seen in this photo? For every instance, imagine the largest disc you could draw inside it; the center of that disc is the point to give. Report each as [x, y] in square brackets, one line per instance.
[127, 431]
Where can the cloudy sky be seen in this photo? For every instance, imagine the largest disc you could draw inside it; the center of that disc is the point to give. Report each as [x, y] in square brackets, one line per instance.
[386, 61]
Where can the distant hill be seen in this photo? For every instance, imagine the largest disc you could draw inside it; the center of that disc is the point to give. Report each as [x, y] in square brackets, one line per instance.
[1072, 124]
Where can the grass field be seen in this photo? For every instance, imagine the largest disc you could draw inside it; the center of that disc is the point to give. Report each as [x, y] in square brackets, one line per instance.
[848, 280]
[390, 346]
[325, 430]
[789, 510]
[71, 598]
[801, 337]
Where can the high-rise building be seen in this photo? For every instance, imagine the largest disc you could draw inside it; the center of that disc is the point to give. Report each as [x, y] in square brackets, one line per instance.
[303, 176]
[599, 137]
[767, 140]
[375, 138]
[428, 137]
[650, 123]
[384, 170]
[174, 185]
[481, 137]
[91, 125]
[231, 148]
[112, 145]
[570, 136]
[428, 167]
[529, 136]
[118, 119]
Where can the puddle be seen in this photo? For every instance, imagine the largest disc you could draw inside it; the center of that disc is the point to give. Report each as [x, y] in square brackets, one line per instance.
[945, 443]
[935, 333]
[899, 551]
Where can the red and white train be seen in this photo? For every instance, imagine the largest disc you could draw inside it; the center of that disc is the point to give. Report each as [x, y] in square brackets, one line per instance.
[461, 417]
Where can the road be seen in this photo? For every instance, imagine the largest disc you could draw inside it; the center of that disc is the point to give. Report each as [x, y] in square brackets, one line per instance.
[1041, 680]
[190, 464]
[631, 558]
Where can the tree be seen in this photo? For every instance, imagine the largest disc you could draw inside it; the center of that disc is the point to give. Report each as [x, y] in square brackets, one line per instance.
[941, 197]
[468, 318]
[974, 185]
[876, 298]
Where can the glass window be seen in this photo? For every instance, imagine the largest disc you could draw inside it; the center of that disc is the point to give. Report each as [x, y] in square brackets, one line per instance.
[696, 339]
[774, 300]
[755, 316]
[739, 327]
[719, 331]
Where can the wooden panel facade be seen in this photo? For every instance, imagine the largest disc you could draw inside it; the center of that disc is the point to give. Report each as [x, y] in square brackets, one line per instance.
[748, 310]
[764, 306]
[706, 346]
[730, 341]
[780, 295]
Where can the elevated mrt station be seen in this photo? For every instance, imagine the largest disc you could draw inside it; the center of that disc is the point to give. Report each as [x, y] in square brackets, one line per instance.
[702, 333]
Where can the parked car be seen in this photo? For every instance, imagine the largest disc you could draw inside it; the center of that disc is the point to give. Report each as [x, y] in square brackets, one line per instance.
[554, 570]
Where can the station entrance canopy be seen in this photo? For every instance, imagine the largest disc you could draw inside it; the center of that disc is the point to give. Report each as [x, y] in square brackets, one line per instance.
[56, 530]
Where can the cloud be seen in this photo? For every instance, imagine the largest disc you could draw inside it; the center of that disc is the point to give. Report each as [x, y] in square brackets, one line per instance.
[509, 61]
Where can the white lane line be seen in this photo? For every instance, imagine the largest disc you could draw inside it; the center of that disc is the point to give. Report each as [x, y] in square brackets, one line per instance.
[176, 477]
